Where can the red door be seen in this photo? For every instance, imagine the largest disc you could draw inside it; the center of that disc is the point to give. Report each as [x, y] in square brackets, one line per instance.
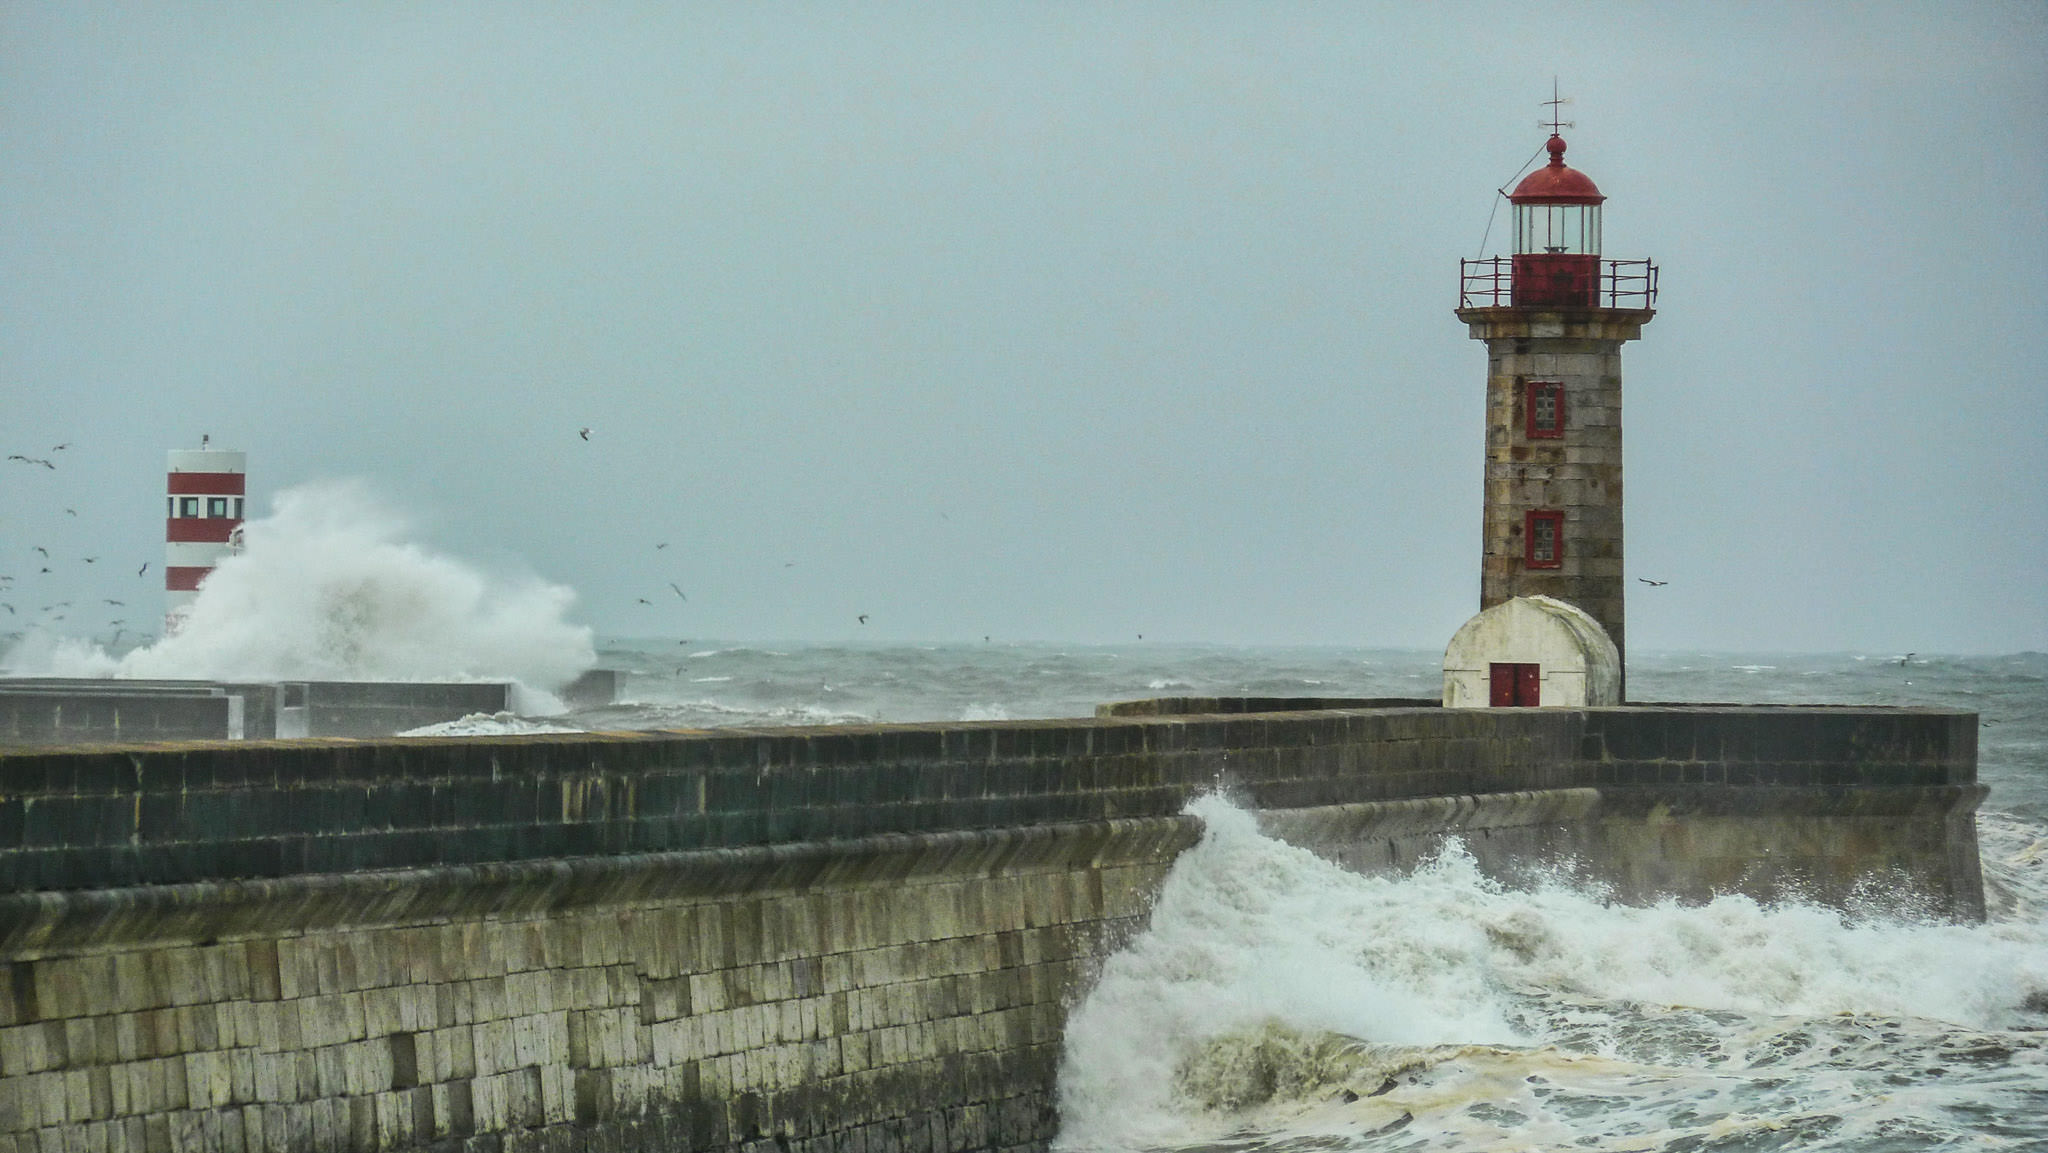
[1515, 685]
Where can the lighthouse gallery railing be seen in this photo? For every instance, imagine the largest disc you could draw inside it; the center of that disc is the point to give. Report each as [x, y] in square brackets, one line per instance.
[1489, 283]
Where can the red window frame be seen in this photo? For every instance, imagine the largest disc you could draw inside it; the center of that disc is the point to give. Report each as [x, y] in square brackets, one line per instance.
[1555, 520]
[1555, 391]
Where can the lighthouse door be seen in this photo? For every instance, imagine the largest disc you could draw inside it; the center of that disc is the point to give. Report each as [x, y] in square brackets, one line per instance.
[1515, 685]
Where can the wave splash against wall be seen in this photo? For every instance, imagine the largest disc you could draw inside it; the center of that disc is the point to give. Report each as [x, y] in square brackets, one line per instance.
[328, 587]
[1277, 994]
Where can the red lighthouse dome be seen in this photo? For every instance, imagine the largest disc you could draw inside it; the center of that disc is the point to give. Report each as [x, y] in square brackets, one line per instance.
[1554, 183]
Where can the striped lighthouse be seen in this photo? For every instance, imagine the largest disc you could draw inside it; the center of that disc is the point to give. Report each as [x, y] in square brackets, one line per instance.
[204, 491]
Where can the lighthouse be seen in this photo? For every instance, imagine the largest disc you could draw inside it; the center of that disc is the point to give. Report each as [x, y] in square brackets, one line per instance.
[1553, 315]
[204, 491]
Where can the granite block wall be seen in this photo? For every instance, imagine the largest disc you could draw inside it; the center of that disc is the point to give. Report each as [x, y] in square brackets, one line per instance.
[899, 993]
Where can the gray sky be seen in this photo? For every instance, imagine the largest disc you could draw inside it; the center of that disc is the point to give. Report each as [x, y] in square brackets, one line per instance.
[1048, 321]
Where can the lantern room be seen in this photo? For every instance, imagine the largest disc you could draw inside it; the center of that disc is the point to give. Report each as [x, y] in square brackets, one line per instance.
[1557, 235]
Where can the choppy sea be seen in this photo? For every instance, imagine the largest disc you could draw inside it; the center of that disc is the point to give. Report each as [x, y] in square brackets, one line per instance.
[1279, 1003]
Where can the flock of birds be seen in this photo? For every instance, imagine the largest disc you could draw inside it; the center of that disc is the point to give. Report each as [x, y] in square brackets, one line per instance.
[8, 583]
[862, 618]
[12, 587]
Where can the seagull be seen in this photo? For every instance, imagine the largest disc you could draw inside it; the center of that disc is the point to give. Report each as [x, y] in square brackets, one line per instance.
[9, 608]
[863, 618]
[143, 569]
[645, 601]
[1907, 657]
[60, 447]
[41, 549]
[662, 545]
[123, 604]
[679, 592]
[1651, 583]
[70, 512]
[91, 559]
[584, 433]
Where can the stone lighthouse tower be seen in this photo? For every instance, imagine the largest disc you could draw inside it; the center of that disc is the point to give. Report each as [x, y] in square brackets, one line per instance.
[1554, 317]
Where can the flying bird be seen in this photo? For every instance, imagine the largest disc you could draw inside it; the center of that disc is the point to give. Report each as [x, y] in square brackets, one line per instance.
[41, 549]
[91, 559]
[679, 592]
[143, 569]
[645, 601]
[60, 447]
[662, 545]
[584, 433]
[9, 608]
[123, 604]
[863, 618]
[1651, 583]
[1907, 657]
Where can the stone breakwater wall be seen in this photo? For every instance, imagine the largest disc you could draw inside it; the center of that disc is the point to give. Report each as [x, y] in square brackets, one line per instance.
[825, 939]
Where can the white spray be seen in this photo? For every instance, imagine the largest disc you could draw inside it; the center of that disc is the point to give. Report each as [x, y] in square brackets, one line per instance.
[328, 588]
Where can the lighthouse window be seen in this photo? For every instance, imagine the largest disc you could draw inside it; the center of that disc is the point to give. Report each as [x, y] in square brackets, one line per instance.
[1545, 409]
[1543, 539]
[1567, 228]
[188, 506]
[238, 508]
[217, 506]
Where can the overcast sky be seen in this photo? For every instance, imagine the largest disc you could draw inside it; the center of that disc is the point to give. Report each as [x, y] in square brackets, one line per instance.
[1040, 321]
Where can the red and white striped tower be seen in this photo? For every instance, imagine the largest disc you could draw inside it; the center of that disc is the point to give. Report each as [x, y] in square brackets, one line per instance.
[203, 508]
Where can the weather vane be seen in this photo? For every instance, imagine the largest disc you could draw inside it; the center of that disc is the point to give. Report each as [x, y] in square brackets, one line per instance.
[1554, 103]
